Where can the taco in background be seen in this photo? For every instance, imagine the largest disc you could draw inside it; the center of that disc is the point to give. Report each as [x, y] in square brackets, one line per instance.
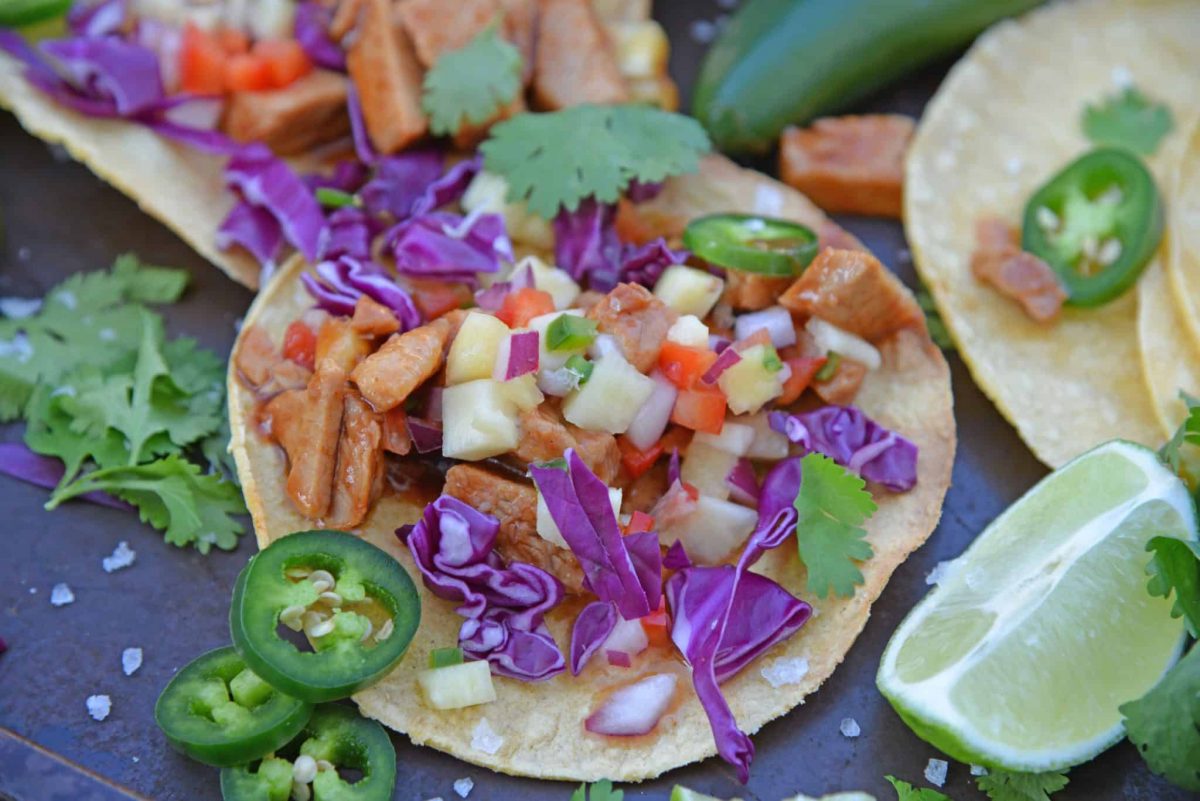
[543, 421]
[987, 142]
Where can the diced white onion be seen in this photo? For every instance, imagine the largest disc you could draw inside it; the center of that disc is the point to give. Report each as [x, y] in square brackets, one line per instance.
[603, 345]
[627, 636]
[735, 438]
[635, 709]
[831, 338]
[689, 331]
[651, 420]
[777, 320]
[768, 444]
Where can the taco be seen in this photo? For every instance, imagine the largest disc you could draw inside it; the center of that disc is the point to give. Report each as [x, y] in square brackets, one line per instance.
[621, 416]
[214, 116]
[1042, 101]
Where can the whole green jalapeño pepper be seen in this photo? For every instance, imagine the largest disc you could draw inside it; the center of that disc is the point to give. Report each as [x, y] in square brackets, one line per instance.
[218, 712]
[1097, 223]
[335, 738]
[755, 244]
[355, 605]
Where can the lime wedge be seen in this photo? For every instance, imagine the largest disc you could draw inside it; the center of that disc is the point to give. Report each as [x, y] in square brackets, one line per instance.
[1019, 658]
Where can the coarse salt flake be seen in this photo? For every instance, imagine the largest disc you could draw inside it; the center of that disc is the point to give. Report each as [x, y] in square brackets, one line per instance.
[768, 200]
[703, 31]
[935, 772]
[131, 660]
[1122, 78]
[979, 770]
[464, 787]
[785, 671]
[940, 573]
[484, 738]
[122, 556]
[98, 706]
[61, 595]
[20, 308]
[849, 728]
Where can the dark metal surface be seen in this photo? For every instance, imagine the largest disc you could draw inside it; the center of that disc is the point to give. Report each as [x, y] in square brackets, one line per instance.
[173, 604]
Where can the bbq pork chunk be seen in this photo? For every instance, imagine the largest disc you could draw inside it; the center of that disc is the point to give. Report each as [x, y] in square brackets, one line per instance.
[575, 60]
[292, 120]
[638, 321]
[406, 361]
[388, 78]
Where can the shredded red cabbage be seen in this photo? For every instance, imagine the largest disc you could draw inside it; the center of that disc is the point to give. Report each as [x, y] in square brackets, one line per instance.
[347, 232]
[266, 181]
[109, 69]
[854, 441]
[645, 265]
[20, 462]
[449, 246]
[504, 605]
[492, 298]
[253, 228]
[339, 283]
[626, 571]
[312, 32]
[400, 182]
[593, 626]
[449, 187]
[587, 247]
[426, 436]
[97, 19]
[347, 176]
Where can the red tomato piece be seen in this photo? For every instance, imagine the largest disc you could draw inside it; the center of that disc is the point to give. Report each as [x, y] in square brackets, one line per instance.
[638, 462]
[523, 305]
[201, 63]
[285, 59]
[639, 522]
[300, 344]
[803, 370]
[700, 410]
[682, 365]
[245, 72]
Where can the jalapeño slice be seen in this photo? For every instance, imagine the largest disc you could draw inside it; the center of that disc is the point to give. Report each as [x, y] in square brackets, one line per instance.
[755, 244]
[1097, 223]
[18, 13]
[335, 738]
[218, 712]
[355, 605]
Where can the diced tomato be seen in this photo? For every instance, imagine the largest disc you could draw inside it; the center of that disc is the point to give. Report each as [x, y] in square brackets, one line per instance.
[245, 72]
[285, 60]
[803, 370]
[637, 461]
[201, 63]
[435, 298]
[657, 625]
[683, 365]
[690, 489]
[300, 344]
[700, 410]
[639, 522]
[523, 305]
[233, 41]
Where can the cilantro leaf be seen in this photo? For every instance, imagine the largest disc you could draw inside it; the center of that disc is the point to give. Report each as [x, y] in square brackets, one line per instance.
[1176, 568]
[1165, 723]
[48, 431]
[172, 495]
[1129, 120]
[540, 156]
[832, 503]
[471, 84]
[1181, 452]
[599, 791]
[1001, 785]
[906, 792]
[146, 284]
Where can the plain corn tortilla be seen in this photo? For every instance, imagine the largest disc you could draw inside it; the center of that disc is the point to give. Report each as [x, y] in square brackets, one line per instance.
[1006, 118]
[542, 724]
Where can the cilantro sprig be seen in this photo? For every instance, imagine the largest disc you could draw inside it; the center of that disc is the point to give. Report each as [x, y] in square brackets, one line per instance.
[1182, 452]
[102, 389]
[541, 157]
[1164, 724]
[832, 505]
[1175, 568]
[599, 791]
[906, 792]
[1130, 120]
[471, 84]
[1001, 785]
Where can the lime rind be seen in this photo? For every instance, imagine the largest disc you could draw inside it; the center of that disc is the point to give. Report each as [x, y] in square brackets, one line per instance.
[1116, 485]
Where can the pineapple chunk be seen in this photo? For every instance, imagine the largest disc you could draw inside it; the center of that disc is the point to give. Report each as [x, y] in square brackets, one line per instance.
[748, 385]
[558, 283]
[735, 438]
[473, 353]
[688, 290]
[523, 392]
[548, 530]
[689, 331]
[768, 443]
[479, 419]
[611, 398]
[271, 19]
[489, 192]
[642, 48]
[706, 467]
[458, 686]
[552, 359]
[713, 530]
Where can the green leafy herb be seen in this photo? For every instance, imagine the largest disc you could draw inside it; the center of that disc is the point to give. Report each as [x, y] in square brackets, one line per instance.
[906, 792]
[332, 198]
[1165, 723]
[1001, 785]
[938, 331]
[832, 503]
[541, 158]
[1182, 451]
[471, 84]
[1128, 119]
[600, 791]
[1176, 568]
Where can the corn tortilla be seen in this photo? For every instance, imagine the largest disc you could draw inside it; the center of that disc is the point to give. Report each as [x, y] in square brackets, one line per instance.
[542, 723]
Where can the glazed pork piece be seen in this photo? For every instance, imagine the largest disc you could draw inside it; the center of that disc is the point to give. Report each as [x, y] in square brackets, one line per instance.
[998, 260]
[387, 377]
[307, 423]
[637, 320]
[292, 120]
[575, 61]
[388, 78]
[545, 436]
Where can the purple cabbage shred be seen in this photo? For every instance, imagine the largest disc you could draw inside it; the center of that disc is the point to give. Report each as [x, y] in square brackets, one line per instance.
[855, 441]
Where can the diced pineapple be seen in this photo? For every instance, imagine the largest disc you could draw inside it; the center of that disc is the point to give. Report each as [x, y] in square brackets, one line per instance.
[479, 420]
[713, 530]
[706, 467]
[271, 19]
[473, 353]
[689, 331]
[688, 290]
[642, 48]
[768, 443]
[558, 283]
[748, 385]
[458, 686]
[552, 359]
[523, 392]
[735, 438]
[611, 398]
[548, 530]
[489, 192]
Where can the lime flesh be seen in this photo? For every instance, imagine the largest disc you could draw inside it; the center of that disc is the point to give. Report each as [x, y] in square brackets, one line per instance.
[1021, 656]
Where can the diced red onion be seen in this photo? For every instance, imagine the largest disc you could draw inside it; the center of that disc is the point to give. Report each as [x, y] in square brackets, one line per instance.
[492, 298]
[603, 345]
[743, 483]
[522, 355]
[777, 320]
[433, 404]
[635, 709]
[718, 344]
[426, 436]
[651, 420]
[728, 358]
[619, 658]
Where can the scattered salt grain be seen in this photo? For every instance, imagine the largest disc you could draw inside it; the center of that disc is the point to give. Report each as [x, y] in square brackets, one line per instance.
[703, 31]
[463, 787]
[939, 573]
[131, 660]
[785, 671]
[979, 770]
[122, 556]
[24, 254]
[849, 728]
[20, 308]
[935, 772]
[1122, 78]
[98, 706]
[484, 738]
[61, 595]
[33, 590]
[1013, 165]
[67, 298]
